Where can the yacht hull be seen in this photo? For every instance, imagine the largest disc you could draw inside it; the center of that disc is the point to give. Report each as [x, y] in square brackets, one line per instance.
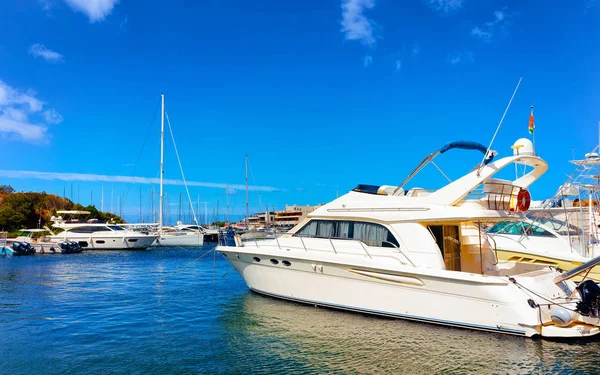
[475, 302]
[109, 242]
[195, 240]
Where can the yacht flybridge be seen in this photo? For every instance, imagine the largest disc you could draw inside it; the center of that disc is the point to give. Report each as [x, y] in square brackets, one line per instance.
[423, 255]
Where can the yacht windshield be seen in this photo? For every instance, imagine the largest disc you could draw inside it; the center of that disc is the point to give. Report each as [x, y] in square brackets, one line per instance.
[115, 227]
[519, 228]
[562, 227]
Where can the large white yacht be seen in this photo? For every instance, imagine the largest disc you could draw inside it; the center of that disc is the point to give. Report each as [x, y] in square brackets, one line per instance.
[424, 256]
[94, 235]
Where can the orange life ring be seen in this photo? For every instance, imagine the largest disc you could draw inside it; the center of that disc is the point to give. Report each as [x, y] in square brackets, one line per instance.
[523, 200]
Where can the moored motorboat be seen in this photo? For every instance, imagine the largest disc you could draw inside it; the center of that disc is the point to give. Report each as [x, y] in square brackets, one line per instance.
[96, 235]
[422, 255]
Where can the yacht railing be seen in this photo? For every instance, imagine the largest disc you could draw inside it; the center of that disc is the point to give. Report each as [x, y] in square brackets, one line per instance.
[500, 196]
[261, 242]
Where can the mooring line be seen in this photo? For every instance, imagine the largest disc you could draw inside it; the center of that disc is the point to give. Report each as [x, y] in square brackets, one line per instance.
[187, 265]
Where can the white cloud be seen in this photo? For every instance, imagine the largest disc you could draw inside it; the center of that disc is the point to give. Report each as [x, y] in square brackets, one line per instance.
[46, 5]
[482, 34]
[445, 6]
[15, 109]
[458, 57]
[355, 25]
[398, 64]
[95, 10]
[415, 50]
[39, 50]
[486, 31]
[52, 117]
[367, 60]
[49, 176]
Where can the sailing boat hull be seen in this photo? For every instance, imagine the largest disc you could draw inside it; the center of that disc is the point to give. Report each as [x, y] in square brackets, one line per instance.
[188, 240]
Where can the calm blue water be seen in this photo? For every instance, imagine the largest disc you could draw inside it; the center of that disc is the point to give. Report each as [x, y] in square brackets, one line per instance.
[108, 313]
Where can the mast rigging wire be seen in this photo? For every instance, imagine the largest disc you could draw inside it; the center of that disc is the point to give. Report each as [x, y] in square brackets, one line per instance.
[499, 124]
[181, 168]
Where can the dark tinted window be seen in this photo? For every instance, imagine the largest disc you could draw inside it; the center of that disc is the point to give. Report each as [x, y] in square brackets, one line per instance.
[80, 230]
[370, 233]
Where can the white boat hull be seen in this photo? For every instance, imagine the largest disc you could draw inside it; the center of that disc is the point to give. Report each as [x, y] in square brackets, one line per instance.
[187, 239]
[449, 298]
[128, 242]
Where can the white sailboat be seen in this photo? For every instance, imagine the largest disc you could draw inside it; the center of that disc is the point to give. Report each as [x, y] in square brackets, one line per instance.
[421, 255]
[173, 236]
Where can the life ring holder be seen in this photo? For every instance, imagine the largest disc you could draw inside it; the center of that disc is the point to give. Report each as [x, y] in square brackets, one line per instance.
[523, 201]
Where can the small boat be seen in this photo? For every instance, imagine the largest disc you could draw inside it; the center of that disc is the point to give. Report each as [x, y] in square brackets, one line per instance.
[39, 239]
[424, 255]
[14, 248]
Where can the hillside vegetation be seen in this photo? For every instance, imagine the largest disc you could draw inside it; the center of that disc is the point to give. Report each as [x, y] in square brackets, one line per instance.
[20, 210]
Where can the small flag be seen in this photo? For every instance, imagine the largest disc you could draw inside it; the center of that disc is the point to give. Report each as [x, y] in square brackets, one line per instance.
[531, 123]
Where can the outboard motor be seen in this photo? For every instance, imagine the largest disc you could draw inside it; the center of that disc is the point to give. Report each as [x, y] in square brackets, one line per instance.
[17, 248]
[75, 246]
[590, 298]
[23, 248]
[63, 247]
[29, 250]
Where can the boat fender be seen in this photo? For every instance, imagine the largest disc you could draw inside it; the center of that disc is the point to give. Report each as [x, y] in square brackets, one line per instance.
[561, 316]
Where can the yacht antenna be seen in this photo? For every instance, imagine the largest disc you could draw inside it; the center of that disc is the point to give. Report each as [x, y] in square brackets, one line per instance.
[162, 160]
[227, 195]
[206, 218]
[246, 220]
[141, 210]
[499, 124]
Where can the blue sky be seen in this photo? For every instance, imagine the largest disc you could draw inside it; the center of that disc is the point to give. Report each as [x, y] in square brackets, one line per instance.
[322, 95]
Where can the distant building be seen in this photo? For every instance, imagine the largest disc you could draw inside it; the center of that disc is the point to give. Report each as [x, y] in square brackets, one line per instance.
[287, 218]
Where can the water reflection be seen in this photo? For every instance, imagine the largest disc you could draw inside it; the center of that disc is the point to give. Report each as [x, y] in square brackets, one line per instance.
[334, 341]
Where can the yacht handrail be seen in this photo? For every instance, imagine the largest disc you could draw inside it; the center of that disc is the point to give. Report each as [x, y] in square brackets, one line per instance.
[362, 242]
[491, 238]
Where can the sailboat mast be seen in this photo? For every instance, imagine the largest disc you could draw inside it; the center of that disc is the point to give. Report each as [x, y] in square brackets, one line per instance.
[227, 194]
[141, 211]
[162, 160]
[246, 220]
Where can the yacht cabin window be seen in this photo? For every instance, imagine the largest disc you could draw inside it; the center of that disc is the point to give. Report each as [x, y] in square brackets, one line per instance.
[370, 233]
[89, 229]
[115, 227]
